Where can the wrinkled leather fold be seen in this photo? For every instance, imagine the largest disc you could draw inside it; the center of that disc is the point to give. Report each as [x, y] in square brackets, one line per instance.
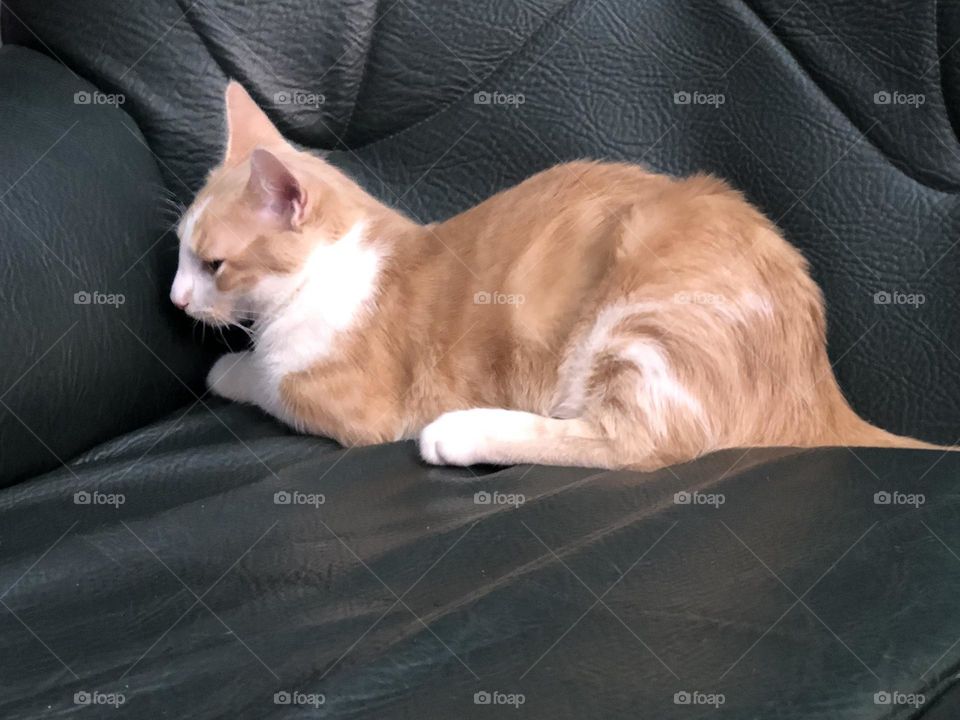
[236, 561]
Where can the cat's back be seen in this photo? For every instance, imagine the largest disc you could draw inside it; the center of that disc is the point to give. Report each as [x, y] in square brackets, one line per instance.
[603, 190]
[700, 223]
[593, 181]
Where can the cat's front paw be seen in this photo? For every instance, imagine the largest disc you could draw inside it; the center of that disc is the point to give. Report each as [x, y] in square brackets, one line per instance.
[454, 438]
[228, 377]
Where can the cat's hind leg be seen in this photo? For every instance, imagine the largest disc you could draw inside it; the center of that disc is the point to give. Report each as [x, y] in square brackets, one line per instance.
[507, 437]
[632, 398]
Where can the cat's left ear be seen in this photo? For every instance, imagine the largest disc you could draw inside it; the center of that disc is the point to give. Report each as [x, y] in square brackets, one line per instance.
[275, 191]
[247, 125]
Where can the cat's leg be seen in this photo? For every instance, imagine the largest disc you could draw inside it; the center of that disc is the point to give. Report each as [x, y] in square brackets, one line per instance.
[239, 377]
[635, 410]
[507, 437]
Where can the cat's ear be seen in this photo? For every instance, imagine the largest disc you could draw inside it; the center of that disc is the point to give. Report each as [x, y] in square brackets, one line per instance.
[247, 125]
[274, 190]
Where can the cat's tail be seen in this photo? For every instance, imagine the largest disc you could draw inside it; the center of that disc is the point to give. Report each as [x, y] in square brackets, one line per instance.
[862, 434]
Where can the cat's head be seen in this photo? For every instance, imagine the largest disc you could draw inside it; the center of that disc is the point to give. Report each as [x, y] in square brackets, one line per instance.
[249, 232]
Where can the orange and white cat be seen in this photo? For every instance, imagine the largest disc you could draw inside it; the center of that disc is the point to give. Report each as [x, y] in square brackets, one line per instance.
[595, 315]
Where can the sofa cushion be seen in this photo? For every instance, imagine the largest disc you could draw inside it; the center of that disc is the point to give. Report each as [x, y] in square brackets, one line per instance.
[235, 561]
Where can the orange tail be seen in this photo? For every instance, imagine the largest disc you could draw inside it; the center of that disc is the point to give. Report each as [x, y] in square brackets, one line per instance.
[866, 435]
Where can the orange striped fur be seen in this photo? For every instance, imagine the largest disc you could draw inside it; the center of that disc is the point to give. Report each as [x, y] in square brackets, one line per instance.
[596, 314]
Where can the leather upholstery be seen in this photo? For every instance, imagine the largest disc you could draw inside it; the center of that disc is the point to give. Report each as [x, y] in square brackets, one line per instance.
[867, 191]
[81, 221]
[297, 598]
[304, 598]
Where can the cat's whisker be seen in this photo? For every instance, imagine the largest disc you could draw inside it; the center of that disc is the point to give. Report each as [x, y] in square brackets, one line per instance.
[250, 333]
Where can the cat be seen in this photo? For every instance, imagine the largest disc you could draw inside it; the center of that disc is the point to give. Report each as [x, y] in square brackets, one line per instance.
[596, 314]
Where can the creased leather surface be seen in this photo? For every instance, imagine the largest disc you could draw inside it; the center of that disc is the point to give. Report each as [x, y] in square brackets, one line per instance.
[80, 220]
[297, 598]
[495, 598]
[866, 190]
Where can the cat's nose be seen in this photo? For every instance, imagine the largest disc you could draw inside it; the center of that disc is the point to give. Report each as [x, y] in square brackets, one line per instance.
[181, 299]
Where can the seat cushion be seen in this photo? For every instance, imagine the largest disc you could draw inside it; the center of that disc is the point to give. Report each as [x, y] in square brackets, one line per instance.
[208, 562]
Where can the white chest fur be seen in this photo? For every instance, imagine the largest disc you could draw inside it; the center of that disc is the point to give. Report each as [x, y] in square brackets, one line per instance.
[335, 290]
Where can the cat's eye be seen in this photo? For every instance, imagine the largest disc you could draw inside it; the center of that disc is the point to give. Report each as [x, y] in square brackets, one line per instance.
[211, 266]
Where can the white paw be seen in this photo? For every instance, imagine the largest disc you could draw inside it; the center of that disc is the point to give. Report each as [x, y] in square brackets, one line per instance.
[227, 378]
[455, 438]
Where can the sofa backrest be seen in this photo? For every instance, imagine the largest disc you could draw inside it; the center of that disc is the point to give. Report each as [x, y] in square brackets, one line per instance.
[839, 121]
